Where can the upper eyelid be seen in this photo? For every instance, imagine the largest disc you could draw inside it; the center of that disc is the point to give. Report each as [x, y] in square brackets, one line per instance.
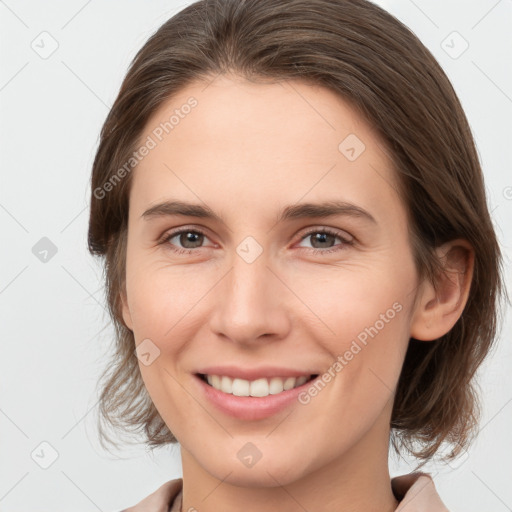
[334, 231]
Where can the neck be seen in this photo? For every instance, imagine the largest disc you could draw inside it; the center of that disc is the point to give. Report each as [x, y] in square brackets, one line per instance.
[358, 480]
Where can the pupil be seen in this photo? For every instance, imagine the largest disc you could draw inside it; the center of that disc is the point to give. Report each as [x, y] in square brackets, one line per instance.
[189, 237]
[320, 237]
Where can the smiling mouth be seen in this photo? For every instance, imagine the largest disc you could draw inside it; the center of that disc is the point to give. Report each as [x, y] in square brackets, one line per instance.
[257, 388]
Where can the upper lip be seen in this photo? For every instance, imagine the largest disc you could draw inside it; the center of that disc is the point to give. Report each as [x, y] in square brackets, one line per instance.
[237, 372]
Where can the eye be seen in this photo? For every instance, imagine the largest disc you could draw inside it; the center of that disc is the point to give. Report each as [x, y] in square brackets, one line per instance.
[191, 239]
[323, 238]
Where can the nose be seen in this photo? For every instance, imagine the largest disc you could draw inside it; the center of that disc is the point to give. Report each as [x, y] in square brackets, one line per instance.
[251, 303]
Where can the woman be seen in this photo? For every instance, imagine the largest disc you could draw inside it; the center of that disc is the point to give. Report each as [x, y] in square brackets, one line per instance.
[245, 136]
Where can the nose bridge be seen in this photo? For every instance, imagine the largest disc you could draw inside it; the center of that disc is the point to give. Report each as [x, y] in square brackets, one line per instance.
[249, 300]
[250, 281]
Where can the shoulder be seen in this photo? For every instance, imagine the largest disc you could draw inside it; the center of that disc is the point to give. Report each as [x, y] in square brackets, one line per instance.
[417, 493]
[160, 499]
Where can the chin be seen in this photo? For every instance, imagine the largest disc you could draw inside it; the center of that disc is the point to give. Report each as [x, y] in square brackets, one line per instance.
[273, 471]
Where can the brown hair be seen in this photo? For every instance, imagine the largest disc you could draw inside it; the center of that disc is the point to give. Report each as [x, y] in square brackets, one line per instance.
[380, 67]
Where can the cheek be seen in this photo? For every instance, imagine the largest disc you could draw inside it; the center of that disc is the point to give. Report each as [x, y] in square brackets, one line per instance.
[159, 297]
[172, 401]
[350, 300]
[365, 314]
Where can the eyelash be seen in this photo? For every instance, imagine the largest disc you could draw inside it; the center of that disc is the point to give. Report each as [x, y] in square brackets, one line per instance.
[168, 236]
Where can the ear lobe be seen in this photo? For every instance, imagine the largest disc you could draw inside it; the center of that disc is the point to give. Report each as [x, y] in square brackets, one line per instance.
[439, 307]
[127, 317]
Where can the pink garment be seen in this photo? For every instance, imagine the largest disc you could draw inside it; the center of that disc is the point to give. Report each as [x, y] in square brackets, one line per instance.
[415, 491]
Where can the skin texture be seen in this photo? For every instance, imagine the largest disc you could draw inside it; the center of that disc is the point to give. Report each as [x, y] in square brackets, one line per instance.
[246, 151]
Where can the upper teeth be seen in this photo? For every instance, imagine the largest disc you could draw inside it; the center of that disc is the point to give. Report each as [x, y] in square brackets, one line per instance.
[258, 387]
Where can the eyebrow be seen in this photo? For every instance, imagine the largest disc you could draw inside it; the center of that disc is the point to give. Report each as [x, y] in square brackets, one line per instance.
[291, 212]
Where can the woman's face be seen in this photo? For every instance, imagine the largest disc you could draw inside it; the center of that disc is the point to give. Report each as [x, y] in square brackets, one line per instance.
[254, 289]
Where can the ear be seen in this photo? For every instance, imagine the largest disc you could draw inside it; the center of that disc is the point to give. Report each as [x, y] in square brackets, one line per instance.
[438, 308]
[127, 317]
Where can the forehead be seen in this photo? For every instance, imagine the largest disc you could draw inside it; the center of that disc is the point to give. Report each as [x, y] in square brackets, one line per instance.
[261, 144]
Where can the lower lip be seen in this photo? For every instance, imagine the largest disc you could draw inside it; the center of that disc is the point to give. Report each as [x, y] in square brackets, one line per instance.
[248, 407]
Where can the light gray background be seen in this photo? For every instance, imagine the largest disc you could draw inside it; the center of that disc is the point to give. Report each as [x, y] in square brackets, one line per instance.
[52, 314]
